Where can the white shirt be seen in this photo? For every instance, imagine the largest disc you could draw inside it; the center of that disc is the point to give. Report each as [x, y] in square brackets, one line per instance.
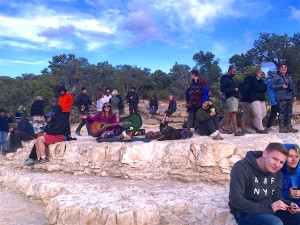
[100, 103]
[106, 98]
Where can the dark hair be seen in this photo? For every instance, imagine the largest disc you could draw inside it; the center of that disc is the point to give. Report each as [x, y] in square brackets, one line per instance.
[100, 95]
[195, 72]
[2, 110]
[132, 88]
[83, 88]
[231, 67]
[275, 146]
[281, 64]
[110, 113]
[62, 88]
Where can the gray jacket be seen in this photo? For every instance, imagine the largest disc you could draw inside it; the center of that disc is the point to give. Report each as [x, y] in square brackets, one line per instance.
[280, 93]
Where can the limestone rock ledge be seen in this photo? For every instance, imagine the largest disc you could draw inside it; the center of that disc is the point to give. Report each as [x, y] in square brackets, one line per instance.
[192, 160]
[92, 200]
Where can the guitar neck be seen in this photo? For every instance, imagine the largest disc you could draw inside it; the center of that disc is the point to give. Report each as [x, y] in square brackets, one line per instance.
[111, 124]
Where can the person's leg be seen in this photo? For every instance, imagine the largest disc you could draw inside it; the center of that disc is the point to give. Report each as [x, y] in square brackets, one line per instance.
[151, 112]
[258, 219]
[130, 108]
[211, 126]
[67, 116]
[215, 122]
[287, 218]
[281, 112]
[272, 117]
[257, 110]
[289, 111]
[38, 154]
[41, 143]
[228, 121]
[264, 109]
[1, 141]
[135, 107]
[4, 141]
[246, 111]
[189, 123]
[164, 119]
[234, 121]
[82, 123]
[15, 140]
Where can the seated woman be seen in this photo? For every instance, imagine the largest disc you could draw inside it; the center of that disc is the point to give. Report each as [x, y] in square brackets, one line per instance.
[153, 105]
[108, 116]
[291, 175]
[56, 131]
[206, 121]
[171, 109]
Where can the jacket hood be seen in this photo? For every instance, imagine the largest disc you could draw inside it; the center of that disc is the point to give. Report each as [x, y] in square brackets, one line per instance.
[284, 169]
[205, 94]
[251, 158]
[57, 110]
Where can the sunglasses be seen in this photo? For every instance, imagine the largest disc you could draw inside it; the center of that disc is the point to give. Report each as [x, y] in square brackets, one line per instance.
[107, 106]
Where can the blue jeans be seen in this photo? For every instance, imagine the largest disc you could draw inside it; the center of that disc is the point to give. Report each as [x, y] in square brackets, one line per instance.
[280, 218]
[3, 142]
[152, 112]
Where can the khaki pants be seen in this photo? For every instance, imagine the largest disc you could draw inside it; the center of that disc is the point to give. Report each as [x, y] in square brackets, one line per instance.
[260, 111]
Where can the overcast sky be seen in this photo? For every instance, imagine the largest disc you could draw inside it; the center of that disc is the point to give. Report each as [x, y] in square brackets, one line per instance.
[145, 33]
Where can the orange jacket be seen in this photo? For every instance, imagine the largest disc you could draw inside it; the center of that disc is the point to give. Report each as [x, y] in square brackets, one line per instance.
[65, 102]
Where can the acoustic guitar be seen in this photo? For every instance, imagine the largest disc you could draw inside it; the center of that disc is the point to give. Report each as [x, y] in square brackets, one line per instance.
[133, 121]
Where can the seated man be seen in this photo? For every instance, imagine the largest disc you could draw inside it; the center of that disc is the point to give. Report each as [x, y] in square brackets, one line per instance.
[171, 109]
[56, 131]
[23, 132]
[255, 189]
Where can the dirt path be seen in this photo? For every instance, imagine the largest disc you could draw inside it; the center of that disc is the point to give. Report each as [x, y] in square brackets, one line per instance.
[15, 209]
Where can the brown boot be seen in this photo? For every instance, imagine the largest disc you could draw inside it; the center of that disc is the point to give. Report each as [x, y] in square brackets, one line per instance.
[283, 129]
[291, 129]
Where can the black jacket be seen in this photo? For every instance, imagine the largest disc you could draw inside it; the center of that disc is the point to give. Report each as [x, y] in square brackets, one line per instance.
[257, 89]
[58, 124]
[228, 87]
[132, 97]
[251, 190]
[153, 103]
[121, 102]
[37, 108]
[26, 126]
[83, 102]
[4, 121]
[245, 92]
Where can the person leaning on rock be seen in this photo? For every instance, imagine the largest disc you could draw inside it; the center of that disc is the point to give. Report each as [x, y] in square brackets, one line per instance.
[255, 189]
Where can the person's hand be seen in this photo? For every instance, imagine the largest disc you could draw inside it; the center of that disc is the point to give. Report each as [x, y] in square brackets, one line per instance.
[284, 86]
[294, 193]
[11, 130]
[279, 205]
[8, 115]
[294, 99]
[210, 103]
[236, 89]
[293, 209]
[83, 116]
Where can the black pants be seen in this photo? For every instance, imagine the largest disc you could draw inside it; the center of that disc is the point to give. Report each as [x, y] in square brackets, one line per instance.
[191, 118]
[285, 109]
[273, 115]
[83, 122]
[33, 155]
[67, 116]
[133, 107]
[16, 137]
[208, 127]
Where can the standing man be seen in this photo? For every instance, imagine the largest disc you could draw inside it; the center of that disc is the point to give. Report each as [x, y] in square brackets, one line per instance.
[133, 100]
[255, 195]
[5, 119]
[107, 96]
[232, 100]
[195, 93]
[23, 132]
[83, 102]
[285, 94]
[65, 100]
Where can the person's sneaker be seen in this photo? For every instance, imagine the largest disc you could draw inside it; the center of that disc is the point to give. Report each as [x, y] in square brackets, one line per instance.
[218, 137]
[43, 160]
[239, 133]
[78, 133]
[253, 127]
[127, 137]
[261, 131]
[268, 129]
[28, 162]
[283, 129]
[226, 131]
[291, 129]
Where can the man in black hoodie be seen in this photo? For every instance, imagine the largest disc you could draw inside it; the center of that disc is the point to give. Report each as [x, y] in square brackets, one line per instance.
[5, 119]
[83, 102]
[255, 195]
[56, 131]
[133, 100]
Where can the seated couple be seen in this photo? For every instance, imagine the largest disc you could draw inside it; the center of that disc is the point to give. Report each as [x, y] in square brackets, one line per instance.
[56, 130]
[256, 196]
[108, 116]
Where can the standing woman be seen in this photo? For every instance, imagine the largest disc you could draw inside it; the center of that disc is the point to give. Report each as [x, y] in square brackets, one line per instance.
[258, 88]
[171, 109]
[37, 114]
[100, 101]
[291, 175]
[115, 101]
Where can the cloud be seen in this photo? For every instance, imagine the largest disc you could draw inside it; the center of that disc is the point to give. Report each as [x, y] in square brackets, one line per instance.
[41, 62]
[61, 31]
[295, 14]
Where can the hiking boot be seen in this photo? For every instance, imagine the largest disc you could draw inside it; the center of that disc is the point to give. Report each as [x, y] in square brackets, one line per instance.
[283, 129]
[261, 131]
[291, 129]
[246, 131]
[28, 162]
[226, 131]
[41, 160]
[239, 133]
[253, 127]
[78, 133]
[268, 129]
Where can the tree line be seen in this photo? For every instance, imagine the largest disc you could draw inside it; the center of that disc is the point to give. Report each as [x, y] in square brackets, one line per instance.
[74, 72]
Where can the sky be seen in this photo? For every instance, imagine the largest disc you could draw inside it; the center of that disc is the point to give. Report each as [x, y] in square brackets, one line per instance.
[152, 34]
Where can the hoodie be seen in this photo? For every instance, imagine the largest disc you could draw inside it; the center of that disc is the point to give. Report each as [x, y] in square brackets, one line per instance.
[271, 92]
[251, 190]
[58, 124]
[290, 179]
[205, 95]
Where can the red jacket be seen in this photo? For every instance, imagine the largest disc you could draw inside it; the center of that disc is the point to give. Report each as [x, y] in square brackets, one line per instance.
[65, 101]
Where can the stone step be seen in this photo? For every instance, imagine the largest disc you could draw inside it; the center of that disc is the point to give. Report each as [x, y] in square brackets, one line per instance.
[93, 200]
[192, 160]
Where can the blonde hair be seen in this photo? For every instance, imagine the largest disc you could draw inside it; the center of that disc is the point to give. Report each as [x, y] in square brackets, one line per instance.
[114, 92]
[257, 70]
[38, 98]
